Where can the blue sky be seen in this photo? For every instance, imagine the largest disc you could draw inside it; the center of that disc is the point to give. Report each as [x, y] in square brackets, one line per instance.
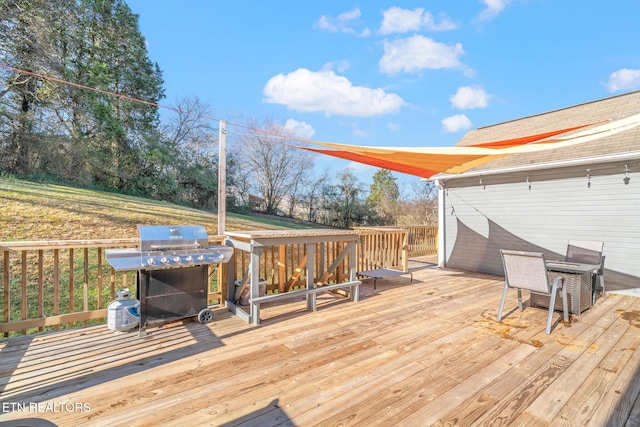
[391, 73]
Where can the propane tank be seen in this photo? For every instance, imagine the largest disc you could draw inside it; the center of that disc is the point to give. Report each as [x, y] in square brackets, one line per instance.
[123, 314]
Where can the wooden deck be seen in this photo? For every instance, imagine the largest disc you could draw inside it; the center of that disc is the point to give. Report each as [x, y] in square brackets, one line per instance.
[421, 353]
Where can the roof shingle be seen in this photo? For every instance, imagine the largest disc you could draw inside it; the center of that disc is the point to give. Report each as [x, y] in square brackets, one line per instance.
[598, 111]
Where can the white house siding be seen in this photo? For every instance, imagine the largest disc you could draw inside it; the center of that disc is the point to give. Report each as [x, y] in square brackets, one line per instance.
[479, 220]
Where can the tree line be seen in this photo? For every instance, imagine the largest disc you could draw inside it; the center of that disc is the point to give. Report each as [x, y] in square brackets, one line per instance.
[91, 133]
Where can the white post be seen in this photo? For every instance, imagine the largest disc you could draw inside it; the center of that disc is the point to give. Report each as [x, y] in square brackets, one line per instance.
[442, 224]
[222, 177]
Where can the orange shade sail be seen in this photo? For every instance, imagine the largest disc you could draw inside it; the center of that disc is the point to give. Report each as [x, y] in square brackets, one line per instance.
[380, 163]
[428, 161]
[528, 139]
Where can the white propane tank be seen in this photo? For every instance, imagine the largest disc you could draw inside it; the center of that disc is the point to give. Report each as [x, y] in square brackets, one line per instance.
[123, 314]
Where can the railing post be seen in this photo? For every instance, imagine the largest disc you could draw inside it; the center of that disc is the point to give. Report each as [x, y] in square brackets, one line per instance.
[40, 286]
[24, 289]
[6, 291]
[405, 251]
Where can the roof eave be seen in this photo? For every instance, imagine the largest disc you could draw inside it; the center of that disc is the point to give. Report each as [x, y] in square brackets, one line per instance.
[630, 155]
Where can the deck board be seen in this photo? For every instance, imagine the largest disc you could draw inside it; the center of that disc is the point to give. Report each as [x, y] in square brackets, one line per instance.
[423, 353]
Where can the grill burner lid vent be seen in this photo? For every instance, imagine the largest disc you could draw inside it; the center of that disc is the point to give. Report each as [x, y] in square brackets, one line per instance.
[169, 247]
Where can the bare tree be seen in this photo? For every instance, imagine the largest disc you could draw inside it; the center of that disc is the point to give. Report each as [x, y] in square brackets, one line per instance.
[313, 192]
[182, 162]
[273, 161]
[422, 206]
[193, 130]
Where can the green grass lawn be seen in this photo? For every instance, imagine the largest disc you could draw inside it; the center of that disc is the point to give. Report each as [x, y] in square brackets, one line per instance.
[38, 211]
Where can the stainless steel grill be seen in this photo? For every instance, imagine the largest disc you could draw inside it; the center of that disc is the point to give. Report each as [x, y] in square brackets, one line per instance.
[172, 264]
[168, 247]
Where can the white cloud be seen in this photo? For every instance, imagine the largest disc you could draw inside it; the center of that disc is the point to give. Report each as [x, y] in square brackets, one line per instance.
[342, 65]
[299, 129]
[342, 23]
[324, 91]
[624, 79]
[398, 20]
[467, 97]
[493, 9]
[416, 53]
[456, 123]
[393, 126]
[324, 23]
[350, 15]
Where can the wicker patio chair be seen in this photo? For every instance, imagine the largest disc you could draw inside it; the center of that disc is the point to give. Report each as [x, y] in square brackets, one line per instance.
[528, 271]
[587, 252]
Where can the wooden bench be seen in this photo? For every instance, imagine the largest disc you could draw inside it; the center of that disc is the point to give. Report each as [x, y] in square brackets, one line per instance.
[354, 295]
[383, 273]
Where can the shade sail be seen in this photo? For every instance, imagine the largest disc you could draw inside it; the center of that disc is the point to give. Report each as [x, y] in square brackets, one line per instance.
[380, 163]
[428, 161]
[527, 139]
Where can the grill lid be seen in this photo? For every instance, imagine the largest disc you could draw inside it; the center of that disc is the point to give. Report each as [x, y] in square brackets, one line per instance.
[172, 246]
[165, 237]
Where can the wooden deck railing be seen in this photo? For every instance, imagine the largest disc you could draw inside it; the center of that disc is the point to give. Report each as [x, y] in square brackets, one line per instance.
[421, 239]
[48, 285]
[51, 284]
[383, 247]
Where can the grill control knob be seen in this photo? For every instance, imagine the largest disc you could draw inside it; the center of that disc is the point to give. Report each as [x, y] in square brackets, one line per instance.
[176, 259]
[221, 256]
[151, 261]
[189, 259]
[201, 258]
[164, 260]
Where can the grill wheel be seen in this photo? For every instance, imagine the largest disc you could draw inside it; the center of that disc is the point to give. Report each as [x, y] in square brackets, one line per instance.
[205, 316]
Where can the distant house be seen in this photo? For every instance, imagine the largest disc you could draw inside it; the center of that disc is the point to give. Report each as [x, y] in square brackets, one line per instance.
[539, 201]
[248, 200]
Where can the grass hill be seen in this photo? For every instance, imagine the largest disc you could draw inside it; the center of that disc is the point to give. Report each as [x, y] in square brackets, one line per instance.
[38, 211]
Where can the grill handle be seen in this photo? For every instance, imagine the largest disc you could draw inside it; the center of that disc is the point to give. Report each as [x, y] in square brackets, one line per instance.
[194, 246]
